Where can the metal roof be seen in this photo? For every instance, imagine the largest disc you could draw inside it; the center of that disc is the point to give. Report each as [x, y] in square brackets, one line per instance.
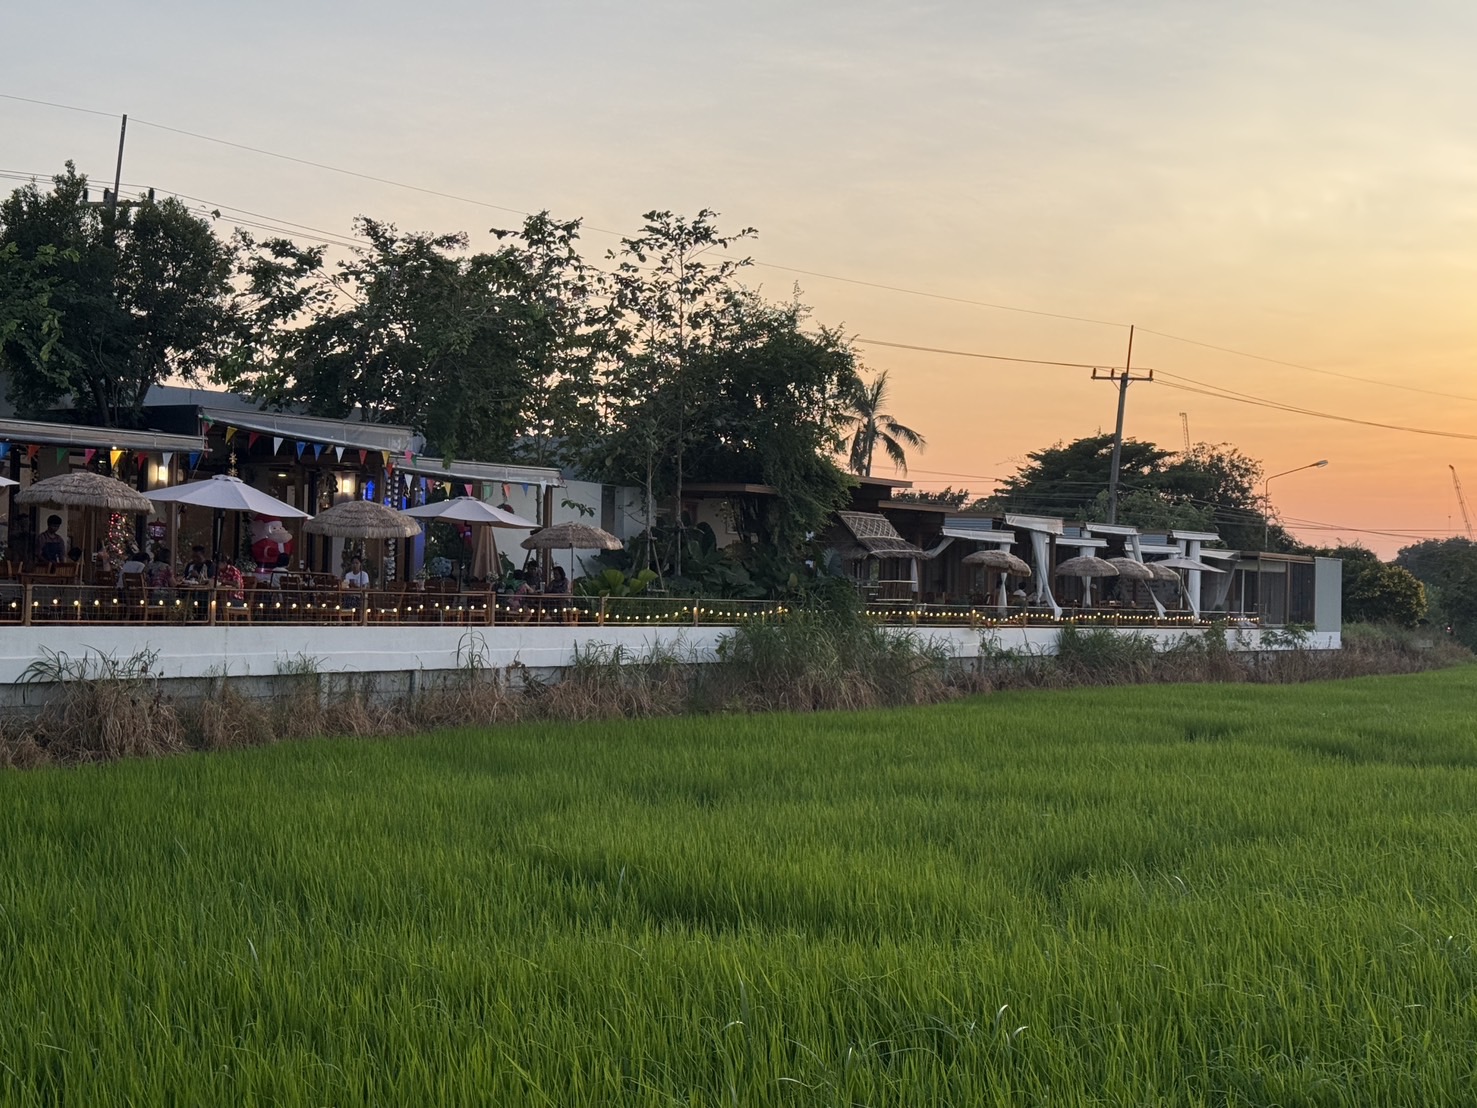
[330, 432]
[482, 471]
[31, 432]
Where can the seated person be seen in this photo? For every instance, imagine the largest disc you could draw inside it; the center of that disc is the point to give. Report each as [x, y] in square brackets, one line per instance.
[137, 563]
[160, 574]
[356, 578]
[51, 548]
[229, 577]
[558, 583]
[199, 570]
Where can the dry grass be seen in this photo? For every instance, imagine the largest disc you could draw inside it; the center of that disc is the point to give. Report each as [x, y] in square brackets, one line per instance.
[105, 708]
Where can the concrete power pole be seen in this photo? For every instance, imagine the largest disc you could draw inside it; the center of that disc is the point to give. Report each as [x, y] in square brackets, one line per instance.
[1122, 378]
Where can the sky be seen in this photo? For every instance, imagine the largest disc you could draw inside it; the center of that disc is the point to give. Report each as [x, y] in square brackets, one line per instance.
[1294, 182]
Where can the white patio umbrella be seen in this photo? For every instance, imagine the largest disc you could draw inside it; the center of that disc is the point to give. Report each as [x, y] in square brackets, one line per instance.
[6, 482]
[1179, 561]
[229, 494]
[468, 509]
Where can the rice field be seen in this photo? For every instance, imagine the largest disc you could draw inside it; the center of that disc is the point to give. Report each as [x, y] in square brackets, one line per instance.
[1168, 895]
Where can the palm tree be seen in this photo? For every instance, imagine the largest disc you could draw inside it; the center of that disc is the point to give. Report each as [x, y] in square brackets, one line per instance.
[873, 425]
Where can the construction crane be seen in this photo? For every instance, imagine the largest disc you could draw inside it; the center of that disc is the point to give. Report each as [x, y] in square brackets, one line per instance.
[1462, 502]
[1185, 427]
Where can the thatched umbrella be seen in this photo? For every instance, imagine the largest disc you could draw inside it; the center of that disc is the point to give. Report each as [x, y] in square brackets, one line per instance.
[362, 519]
[1130, 570]
[571, 536]
[1162, 572]
[1002, 560]
[85, 489]
[1086, 566]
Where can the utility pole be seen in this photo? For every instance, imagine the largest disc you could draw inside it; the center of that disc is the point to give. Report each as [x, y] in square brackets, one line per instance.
[118, 173]
[1122, 378]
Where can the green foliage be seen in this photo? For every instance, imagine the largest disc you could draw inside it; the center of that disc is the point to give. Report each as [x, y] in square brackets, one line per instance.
[615, 582]
[99, 307]
[411, 320]
[949, 497]
[1448, 569]
[1208, 488]
[959, 905]
[1377, 592]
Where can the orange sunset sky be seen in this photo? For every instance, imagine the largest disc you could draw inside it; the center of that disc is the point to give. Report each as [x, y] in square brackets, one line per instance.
[1297, 182]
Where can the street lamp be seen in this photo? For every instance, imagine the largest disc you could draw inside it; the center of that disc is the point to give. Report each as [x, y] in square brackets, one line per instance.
[1267, 496]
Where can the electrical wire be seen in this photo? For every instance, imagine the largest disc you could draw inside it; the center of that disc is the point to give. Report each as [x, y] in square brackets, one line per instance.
[988, 357]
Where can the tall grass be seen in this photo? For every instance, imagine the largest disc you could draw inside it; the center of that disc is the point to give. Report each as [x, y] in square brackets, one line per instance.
[1197, 895]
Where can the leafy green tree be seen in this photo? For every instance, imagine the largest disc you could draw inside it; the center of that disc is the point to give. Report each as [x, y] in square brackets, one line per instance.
[1376, 591]
[132, 298]
[950, 497]
[664, 296]
[1208, 488]
[1448, 569]
[483, 354]
[872, 425]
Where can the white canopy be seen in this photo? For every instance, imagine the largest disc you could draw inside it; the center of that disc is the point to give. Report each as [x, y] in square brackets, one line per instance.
[6, 482]
[230, 494]
[468, 509]
[1181, 562]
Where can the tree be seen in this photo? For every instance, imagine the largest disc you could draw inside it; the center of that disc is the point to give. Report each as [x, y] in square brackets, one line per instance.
[663, 303]
[1211, 487]
[136, 296]
[1448, 569]
[873, 425]
[1376, 591]
[950, 497]
[410, 323]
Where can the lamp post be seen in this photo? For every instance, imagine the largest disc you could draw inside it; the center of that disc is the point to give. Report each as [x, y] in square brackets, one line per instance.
[1267, 496]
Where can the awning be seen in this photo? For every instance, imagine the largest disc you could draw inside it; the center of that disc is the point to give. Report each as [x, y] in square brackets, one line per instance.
[31, 432]
[378, 437]
[1047, 525]
[496, 472]
[876, 534]
[968, 529]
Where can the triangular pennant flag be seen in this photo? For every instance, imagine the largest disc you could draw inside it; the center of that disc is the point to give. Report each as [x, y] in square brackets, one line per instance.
[230, 433]
[251, 439]
[364, 457]
[525, 488]
[468, 487]
[338, 453]
[194, 459]
[87, 455]
[114, 457]
[4, 449]
[507, 490]
[385, 454]
[301, 446]
[276, 444]
[317, 451]
[409, 457]
[167, 457]
[207, 421]
[62, 453]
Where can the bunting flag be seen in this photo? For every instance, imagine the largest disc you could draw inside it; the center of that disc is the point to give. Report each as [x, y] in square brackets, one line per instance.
[207, 420]
[301, 446]
[87, 455]
[364, 457]
[425, 485]
[468, 487]
[507, 490]
[276, 444]
[194, 460]
[4, 449]
[230, 433]
[338, 453]
[317, 451]
[525, 488]
[62, 453]
[251, 439]
[167, 457]
[31, 452]
[409, 457]
[385, 454]
[114, 457]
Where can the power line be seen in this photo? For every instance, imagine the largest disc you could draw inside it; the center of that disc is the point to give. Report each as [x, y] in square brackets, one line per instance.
[989, 357]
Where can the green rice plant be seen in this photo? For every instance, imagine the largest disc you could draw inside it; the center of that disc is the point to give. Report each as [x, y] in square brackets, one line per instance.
[1202, 895]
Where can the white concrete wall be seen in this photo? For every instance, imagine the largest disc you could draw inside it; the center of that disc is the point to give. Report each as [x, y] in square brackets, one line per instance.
[260, 650]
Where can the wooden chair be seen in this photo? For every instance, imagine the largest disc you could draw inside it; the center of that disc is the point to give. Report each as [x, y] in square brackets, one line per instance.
[136, 596]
